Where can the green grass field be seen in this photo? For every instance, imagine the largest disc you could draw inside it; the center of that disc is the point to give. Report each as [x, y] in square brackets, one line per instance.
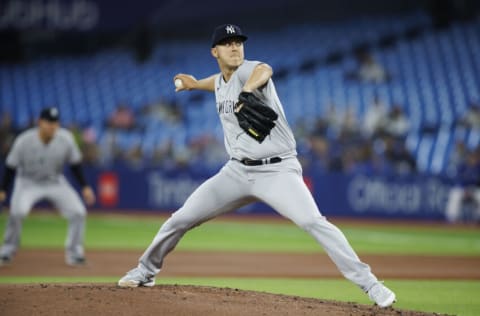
[108, 232]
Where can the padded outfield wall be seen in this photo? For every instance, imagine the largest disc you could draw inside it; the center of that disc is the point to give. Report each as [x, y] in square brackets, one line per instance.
[416, 197]
[357, 195]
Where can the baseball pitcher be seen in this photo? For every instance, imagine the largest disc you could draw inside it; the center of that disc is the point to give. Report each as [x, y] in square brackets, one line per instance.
[263, 167]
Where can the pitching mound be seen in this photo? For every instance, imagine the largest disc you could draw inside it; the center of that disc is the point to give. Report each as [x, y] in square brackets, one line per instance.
[107, 299]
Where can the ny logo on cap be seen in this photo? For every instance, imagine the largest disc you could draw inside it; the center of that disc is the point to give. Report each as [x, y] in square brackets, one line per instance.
[53, 112]
[230, 29]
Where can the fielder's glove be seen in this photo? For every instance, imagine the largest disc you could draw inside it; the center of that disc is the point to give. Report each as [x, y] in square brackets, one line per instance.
[254, 117]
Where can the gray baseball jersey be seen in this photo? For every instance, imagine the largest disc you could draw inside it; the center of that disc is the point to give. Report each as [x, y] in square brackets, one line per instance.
[238, 144]
[41, 162]
[39, 176]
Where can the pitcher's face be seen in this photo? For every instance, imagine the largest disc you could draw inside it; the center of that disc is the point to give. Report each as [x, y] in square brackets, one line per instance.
[229, 53]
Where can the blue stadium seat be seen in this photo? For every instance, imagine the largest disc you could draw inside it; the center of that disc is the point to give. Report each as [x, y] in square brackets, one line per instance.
[435, 77]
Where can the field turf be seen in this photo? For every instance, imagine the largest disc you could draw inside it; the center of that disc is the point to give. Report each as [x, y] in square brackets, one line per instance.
[113, 231]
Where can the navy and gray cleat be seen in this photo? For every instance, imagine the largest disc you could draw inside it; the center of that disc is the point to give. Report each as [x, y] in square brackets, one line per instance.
[135, 278]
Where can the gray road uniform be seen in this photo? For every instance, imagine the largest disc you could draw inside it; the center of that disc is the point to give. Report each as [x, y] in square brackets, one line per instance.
[39, 176]
[276, 182]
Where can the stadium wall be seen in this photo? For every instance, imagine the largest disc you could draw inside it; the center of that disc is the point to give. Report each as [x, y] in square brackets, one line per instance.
[410, 197]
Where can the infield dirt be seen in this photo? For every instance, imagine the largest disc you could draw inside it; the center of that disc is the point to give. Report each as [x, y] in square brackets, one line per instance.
[107, 299]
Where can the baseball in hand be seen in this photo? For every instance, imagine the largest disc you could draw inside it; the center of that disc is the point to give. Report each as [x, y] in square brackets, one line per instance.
[178, 83]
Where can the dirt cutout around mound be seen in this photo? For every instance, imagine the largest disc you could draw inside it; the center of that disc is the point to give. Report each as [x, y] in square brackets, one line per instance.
[171, 300]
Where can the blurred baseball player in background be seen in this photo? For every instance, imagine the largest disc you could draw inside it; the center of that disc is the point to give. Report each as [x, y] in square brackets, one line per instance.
[263, 167]
[464, 194]
[36, 161]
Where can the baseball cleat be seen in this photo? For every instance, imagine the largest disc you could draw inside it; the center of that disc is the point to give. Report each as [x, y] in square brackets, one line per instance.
[136, 278]
[76, 261]
[5, 260]
[381, 295]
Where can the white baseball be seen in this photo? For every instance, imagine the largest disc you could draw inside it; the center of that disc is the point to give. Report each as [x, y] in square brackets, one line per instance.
[178, 83]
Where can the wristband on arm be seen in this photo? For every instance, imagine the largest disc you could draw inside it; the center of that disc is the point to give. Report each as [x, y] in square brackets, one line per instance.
[8, 175]
[78, 174]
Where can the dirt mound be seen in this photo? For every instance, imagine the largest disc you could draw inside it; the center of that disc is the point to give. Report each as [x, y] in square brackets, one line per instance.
[107, 299]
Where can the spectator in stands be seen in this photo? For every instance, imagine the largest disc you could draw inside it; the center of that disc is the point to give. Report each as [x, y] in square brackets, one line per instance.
[369, 69]
[90, 149]
[172, 156]
[397, 123]
[367, 162]
[375, 118]
[319, 152]
[333, 121]
[348, 160]
[456, 158]
[397, 155]
[471, 119]
[162, 111]
[134, 156]
[350, 126]
[109, 150]
[181, 156]
[360, 159]
[207, 151]
[122, 118]
[86, 140]
[465, 191]
[91, 154]
[162, 154]
[77, 134]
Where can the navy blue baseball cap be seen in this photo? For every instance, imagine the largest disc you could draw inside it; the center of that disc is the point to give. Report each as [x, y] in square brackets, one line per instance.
[50, 114]
[224, 31]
